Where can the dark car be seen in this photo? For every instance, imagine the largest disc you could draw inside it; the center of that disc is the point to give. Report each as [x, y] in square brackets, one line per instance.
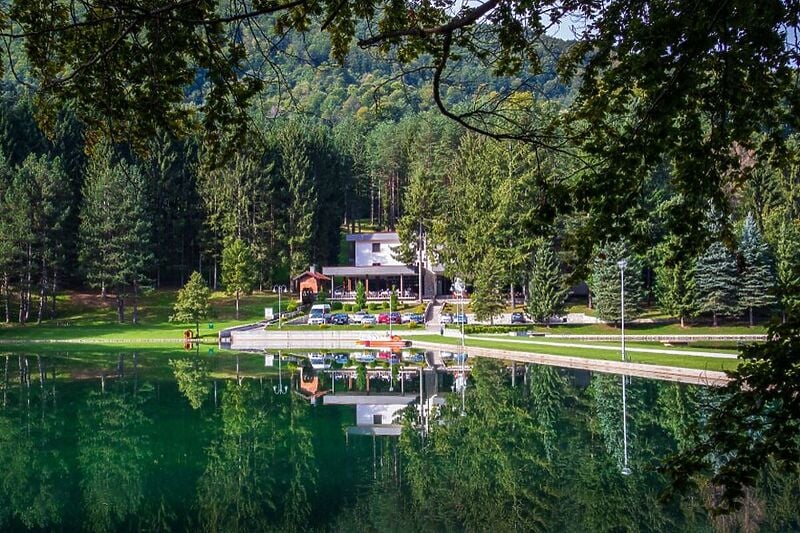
[386, 318]
[416, 318]
[517, 318]
[340, 319]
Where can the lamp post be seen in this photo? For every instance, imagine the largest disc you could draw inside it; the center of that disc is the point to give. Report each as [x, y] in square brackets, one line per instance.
[460, 287]
[280, 389]
[622, 263]
[279, 289]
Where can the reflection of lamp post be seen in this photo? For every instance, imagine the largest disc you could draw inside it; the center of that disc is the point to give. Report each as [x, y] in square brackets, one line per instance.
[280, 389]
[625, 470]
[280, 289]
[460, 287]
[622, 263]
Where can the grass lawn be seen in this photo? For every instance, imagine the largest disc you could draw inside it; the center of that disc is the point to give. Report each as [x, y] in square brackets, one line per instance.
[704, 363]
[88, 316]
[721, 347]
[647, 329]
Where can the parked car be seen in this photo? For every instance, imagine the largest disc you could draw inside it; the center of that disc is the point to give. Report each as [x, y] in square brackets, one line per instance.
[415, 318]
[341, 358]
[414, 357]
[386, 318]
[517, 318]
[459, 318]
[363, 357]
[320, 314]
[355, 318]
[368, 319]
[340, 319]
[460, 358]
[446, 318]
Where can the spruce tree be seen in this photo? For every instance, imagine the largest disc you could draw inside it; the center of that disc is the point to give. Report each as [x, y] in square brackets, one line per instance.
[676, 290]
[757, 280]
[238, 270]
[488, 299]
[787, 267]
[546, 288]
[605, 282]
[115, 231]
[716, 280]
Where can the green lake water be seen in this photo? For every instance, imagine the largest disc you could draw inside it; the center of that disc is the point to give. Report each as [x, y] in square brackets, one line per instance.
[117, 441]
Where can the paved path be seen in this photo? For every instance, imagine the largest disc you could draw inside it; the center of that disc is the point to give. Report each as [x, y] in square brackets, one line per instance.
[632, 349]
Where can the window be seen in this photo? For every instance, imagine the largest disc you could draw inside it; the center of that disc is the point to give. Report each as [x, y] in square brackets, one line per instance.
[377, 419]
[376, 247]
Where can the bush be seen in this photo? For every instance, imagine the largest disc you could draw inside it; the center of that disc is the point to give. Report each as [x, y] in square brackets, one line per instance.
[291, 307]
[413, 325]
[347, 308]
[324, 326]
[336, 306]
[372, 306]
[478, 328]
[385, 305]
[366, 326]
[419, 308]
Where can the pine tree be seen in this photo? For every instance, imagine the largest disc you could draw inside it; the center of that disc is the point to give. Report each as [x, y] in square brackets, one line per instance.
[546, 288]
[296, 168]
[115, 232]
[192, 303]
[605, 282]
[488, 300]
[787, 267]
[676, 290]
[238, 270]
[757, 280]
[716, 281]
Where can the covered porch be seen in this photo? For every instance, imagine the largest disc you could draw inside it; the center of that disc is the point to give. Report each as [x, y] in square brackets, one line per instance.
[378, 281]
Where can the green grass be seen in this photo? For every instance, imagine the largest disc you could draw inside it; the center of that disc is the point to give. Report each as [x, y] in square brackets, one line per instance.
[648, 329]
[82, 316]
[721, 347]
[680, 361]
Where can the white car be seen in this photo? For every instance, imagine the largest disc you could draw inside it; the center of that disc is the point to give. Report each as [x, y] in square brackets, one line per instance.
[446, 318]
[369, 319]
[356, 317]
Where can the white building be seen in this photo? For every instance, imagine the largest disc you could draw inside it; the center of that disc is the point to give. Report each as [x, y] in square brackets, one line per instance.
[374, 261]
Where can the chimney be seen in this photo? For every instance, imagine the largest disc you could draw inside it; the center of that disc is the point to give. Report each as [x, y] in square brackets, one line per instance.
[312, 269]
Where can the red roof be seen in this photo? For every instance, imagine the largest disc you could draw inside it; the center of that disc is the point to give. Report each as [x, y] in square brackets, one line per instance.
[315, 275]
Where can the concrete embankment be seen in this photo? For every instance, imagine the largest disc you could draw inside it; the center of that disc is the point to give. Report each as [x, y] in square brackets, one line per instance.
[668, 373]
[332, 339]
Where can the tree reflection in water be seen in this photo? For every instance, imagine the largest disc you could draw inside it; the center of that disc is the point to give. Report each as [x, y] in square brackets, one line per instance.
[543, 455]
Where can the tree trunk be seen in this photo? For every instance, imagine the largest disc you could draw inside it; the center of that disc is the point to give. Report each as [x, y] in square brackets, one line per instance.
[215, 274]
[197, 330]
[21, 305]
[120, 306]
[53, 295]
[589, 300]
[42, 293]
[237, 305]
[682, 324]
[28, 284]
[135, 317]
[513, 298]
[103, 293]
[714, 318]
[751, 316]
[7, 296]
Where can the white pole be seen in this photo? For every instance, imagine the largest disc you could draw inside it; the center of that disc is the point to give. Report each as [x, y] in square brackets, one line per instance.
[625, 470]
[622, 264]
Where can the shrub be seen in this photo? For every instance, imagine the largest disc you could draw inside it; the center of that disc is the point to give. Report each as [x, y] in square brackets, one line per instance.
[291, 307]
[336, 306]
[372, 306]
[384, 305]
[413, 325]
[419, 308]
[478, 328]
[324, 326]
[366, 326]
[347, 308]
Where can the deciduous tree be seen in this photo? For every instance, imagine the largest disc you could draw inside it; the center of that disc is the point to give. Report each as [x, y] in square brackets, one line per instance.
[192, 304]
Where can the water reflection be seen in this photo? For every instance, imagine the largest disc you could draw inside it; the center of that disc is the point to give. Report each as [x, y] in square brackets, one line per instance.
[155, 441]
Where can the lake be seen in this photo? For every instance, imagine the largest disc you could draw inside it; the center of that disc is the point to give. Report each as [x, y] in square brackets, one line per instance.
[170, 441]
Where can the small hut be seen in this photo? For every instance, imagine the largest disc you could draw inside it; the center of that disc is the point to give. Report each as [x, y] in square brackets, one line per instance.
[309, 283]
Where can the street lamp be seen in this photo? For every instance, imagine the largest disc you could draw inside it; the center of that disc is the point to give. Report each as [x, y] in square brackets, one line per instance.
[280, 289]
[460, 287]
[622, 263]
[280, 388]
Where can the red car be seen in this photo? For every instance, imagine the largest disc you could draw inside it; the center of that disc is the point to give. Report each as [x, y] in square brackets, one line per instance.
[386, 318]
